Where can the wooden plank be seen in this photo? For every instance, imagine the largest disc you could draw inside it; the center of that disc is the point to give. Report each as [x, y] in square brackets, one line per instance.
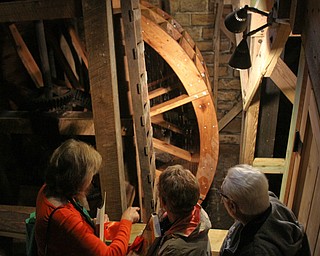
[269, 165]
[230, 115]
[314, 117]
[285, 79]
[270, 51]
[98, 25]
[312, 207]
[175, 102]
[290, 172]
[310, 42]
[216, 237]
[28, 10]
[26, 57]
[249, 132]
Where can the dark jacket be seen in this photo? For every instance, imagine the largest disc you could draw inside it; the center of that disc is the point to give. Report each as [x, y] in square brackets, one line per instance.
[274, 232]
[181, 242]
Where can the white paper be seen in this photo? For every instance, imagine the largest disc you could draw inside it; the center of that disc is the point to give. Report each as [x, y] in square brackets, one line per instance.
[100, 218]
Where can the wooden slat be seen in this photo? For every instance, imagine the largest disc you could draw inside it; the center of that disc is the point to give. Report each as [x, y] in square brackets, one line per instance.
[26, 57]
[230, 115]
[171, 149]
[175, 102]
[285, 79]
[158, 120]
[171, 30]
[98, 24]
[39, 10]
[158, 92]
[187, 47]
[268, 57]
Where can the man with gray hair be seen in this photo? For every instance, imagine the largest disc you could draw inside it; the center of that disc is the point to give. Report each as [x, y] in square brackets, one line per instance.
[263, 225]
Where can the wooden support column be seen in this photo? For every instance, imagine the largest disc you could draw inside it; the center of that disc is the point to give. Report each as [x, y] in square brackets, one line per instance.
[216, 48]
[249, 131]
[131, 15]
[98, 27]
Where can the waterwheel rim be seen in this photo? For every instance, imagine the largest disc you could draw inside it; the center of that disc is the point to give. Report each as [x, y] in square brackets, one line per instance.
[166, 36]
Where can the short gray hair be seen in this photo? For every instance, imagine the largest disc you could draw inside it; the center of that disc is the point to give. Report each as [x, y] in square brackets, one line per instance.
[248, 188]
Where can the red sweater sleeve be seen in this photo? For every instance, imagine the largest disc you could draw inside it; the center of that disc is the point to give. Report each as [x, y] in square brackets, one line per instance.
[83, 240]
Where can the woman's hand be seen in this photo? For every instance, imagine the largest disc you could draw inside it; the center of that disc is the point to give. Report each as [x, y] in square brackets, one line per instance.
[131, 214]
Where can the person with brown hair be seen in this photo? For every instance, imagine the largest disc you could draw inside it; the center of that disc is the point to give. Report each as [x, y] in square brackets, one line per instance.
[184, 224]
[63, 226]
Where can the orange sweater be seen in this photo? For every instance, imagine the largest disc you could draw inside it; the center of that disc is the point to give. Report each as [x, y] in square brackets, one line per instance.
[70, 234]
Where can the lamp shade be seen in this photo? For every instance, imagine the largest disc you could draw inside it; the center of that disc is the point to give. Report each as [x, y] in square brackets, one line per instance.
[236, 22]
[240, 59]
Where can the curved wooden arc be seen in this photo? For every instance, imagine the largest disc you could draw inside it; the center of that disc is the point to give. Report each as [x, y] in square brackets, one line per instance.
[176, 47]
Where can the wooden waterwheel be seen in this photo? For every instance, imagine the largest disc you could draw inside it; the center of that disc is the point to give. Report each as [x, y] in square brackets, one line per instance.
[179, 89]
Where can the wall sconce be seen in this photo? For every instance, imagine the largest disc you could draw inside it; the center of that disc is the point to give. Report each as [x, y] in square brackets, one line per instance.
[236, 22]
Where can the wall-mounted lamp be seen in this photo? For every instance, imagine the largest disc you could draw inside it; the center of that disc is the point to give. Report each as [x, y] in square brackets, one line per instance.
[236, 22]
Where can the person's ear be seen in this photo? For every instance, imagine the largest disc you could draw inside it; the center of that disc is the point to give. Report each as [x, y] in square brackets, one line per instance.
[232, 207]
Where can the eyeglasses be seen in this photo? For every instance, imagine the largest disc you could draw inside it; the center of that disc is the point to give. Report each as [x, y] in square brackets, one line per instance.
[220, 193]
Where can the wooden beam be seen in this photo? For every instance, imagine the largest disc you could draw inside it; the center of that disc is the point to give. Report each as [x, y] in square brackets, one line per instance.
[175, 102]
[285, 79]
[26, 57]
[264, 63]
[171, 149]
[268, 119]
[39, 10]
[291, 166]
[138, 88]
[159, 120]
[230, 115]
[158, 92]
[98, 26]
[269, 165]
[249, 131]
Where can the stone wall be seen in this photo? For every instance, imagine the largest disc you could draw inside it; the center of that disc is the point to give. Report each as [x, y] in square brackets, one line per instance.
[197, 17]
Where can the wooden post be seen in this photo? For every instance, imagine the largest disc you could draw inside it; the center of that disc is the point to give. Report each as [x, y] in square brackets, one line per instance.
[131, 15]
[98, 27]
